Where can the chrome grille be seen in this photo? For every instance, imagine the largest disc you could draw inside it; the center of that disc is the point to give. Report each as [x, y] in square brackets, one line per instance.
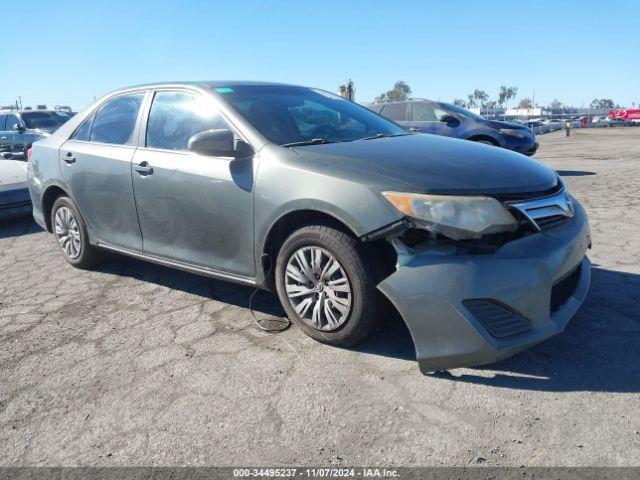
[545, 211]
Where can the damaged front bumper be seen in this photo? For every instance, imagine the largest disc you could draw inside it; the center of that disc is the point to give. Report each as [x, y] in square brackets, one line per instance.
[523, 293]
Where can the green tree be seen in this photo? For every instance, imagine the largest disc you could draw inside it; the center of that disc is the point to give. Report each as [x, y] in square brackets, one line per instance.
[459, 102]
[506, 94]
[555, 105]
[478, 99]
[525, 103]
[400, 91]
[602, 103]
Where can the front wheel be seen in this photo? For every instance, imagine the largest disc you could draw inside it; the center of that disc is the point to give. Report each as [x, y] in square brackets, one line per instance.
[326, 282]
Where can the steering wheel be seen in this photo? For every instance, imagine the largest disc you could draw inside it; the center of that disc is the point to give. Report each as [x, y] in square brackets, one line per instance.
[323, 131]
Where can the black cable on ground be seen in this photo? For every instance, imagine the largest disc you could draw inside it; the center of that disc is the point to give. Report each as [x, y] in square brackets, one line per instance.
[283, 322]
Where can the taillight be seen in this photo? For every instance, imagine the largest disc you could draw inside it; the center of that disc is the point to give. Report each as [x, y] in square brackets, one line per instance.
[29, 152]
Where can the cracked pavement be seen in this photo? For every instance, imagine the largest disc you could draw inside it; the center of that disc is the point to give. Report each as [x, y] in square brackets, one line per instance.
[136, 364]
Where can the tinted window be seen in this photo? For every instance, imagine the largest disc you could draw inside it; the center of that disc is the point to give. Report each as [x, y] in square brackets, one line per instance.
[395, 111]
[176, 116]
[11, 121]
[423, 112]
[44, 119]
[428, 112]
[2, 120]
[84, 131]
[312, 117]
[297, 114]
[116, 120]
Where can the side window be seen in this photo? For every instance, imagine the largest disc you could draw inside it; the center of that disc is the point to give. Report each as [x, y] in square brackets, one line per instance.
[423, 112]
[12, 120]
[176, 116]
[312, 118]
[440, 113]
[395, 111]
[2, 121]
[116, 120]
[84, 131]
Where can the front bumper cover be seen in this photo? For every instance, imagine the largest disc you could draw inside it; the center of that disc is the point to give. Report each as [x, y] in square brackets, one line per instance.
[429, 289]
[14, 203]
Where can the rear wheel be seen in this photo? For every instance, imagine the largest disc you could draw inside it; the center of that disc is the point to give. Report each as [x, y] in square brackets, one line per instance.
[326, 282]
[71, 233]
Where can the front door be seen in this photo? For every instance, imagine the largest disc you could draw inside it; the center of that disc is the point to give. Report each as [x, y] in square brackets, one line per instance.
[96, 164]
[8, 135]
[426, 118]
[192, 208]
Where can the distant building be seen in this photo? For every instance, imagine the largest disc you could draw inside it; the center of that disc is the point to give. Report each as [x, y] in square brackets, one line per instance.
[523, 112]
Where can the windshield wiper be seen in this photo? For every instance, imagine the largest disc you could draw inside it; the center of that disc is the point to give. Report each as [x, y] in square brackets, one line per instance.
[313, 141]
[384, 135]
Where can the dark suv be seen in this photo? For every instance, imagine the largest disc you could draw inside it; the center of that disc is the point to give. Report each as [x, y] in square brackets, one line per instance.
[442, 118]
[20, 128]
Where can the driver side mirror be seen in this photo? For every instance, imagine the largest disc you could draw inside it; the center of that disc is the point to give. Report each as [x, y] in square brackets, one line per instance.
[17, 128]
[215, 143]
[450, 120]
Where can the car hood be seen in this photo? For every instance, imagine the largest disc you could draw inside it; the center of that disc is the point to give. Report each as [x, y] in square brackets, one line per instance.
[13, 175]
[435, 164]
[497, 124]
[44, 131]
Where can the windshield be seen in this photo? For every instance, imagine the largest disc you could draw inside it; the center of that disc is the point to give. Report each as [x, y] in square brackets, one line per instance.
[292, 115]
[463, 111]
[44, 119]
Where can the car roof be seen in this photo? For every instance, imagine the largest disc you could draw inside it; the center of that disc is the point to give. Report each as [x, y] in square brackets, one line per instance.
[5, 111]
[409, 100]
[211, 84]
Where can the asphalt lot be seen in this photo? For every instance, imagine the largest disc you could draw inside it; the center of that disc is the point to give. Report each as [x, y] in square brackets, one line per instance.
[135, 364]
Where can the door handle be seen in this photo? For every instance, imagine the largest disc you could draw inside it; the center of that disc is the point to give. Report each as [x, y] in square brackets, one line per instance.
[414, 129]
[143, 168]
[69, 158]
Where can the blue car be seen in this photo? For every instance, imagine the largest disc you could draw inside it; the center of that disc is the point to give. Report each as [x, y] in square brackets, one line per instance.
[449, 120]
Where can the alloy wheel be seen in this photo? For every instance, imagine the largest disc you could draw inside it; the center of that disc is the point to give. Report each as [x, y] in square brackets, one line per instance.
[318, 288]
[68, 232]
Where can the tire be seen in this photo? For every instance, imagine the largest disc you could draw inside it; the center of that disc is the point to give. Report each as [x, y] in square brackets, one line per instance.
[355, 264]
[67, 223]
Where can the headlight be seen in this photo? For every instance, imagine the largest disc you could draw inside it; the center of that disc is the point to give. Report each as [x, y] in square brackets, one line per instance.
[516, 132]
[457, 217]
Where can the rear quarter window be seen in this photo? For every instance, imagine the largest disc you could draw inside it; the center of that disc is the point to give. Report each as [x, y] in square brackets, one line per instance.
[84, 132]
[116, 120]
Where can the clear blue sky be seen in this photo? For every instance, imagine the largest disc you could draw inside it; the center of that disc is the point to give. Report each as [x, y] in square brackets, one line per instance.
[67, 52]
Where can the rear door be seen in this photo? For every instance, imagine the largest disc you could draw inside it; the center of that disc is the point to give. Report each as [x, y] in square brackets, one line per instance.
[192, 208]
[396, 112]
[96, 164]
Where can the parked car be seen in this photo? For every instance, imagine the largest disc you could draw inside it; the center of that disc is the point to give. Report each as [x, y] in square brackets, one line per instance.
[14, 193]
[442, 118]
[481, 250]
[20, 128]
